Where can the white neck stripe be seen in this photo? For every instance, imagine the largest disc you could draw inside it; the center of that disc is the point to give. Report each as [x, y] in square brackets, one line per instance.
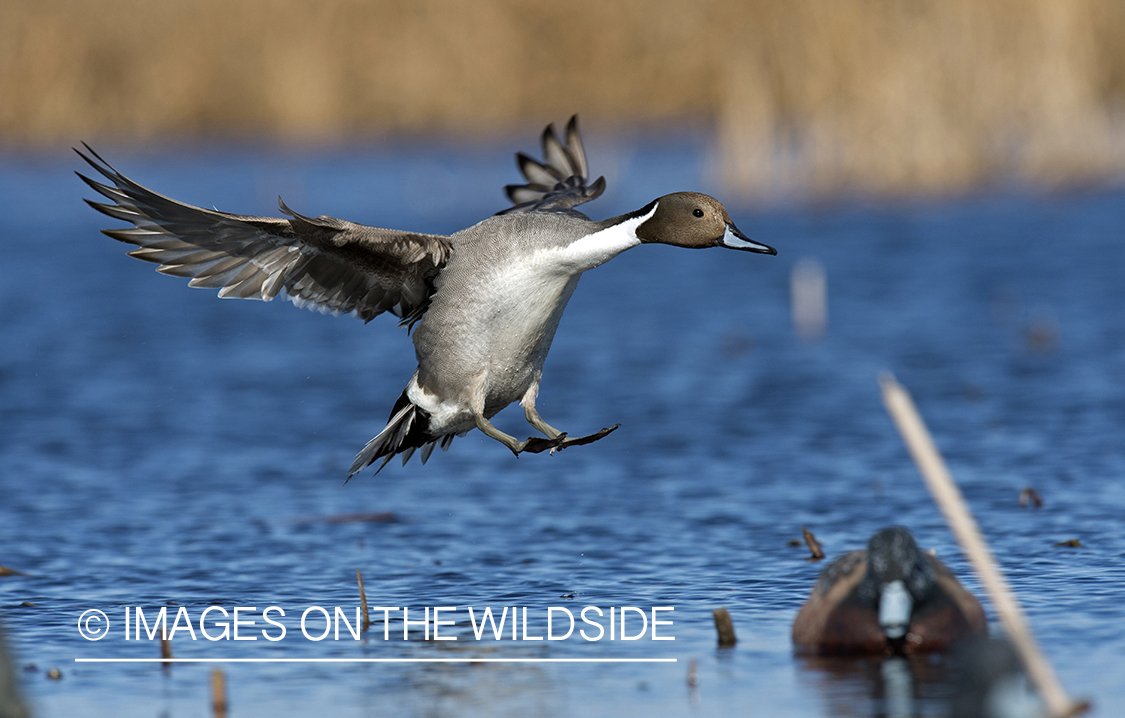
[602, 246]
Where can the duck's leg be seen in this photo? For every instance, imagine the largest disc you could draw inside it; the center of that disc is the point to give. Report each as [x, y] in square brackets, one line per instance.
[478, 392]
[557, 440]
[536, 444]
[533, 418]
[537, 421]
[533, 445]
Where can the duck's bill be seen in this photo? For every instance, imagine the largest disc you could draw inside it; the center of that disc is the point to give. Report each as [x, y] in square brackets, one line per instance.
[734, 239]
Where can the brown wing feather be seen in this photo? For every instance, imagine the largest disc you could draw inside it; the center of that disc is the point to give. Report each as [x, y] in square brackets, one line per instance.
[966, 602]
[834, 584]
[323, 263]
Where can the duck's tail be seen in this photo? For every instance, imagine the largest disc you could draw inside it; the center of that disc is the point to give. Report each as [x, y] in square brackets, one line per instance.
[407, 430]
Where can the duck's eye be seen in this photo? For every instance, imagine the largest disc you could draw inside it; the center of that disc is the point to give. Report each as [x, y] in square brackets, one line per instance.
[697, 212]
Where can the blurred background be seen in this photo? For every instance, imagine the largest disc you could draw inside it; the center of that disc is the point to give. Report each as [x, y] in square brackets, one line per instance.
[811, 97]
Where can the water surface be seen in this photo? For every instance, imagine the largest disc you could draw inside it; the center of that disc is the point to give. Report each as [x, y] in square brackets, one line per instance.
[160, 445]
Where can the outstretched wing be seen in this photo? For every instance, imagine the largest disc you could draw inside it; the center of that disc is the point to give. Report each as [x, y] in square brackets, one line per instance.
[559, 181]
[322, 263]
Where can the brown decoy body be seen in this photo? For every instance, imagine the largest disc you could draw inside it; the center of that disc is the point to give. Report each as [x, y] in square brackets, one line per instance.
[889, 598]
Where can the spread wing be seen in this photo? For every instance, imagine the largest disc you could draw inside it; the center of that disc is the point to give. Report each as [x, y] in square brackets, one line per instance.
[559, 181]
[323, 263]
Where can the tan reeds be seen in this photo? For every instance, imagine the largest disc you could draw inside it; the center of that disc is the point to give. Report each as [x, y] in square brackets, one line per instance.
[931, 96]
[869, 95]
[949, 499]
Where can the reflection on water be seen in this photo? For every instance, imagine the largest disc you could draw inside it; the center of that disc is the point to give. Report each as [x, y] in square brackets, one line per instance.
[160, 445]
[886, 687]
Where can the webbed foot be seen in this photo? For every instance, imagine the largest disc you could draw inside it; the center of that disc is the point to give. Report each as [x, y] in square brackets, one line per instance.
[536, 445]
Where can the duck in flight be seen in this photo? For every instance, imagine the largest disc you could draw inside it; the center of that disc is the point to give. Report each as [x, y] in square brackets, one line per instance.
[483, 303]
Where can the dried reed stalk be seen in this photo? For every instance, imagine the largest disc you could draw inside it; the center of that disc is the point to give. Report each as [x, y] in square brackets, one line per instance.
[725, 627]
[363, 603]
[218, 693]
[949, 499]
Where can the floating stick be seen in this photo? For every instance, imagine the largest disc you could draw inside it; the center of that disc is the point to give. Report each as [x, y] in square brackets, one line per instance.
[814, 545]
[725, 627]
[1030, 497]
[952, 504]
[363, 603]
[218, 693]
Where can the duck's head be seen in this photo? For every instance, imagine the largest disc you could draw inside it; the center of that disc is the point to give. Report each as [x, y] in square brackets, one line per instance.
[696, 221]
[899, 576]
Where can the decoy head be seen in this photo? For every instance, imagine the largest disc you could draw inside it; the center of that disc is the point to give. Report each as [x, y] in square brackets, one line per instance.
[898, 577]
[696, 221]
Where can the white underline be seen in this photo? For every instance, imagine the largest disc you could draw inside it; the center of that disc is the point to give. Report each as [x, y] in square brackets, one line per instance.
[375, 660]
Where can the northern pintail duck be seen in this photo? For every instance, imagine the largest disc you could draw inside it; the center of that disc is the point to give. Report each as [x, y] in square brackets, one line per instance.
[484, 303]
[889, 598]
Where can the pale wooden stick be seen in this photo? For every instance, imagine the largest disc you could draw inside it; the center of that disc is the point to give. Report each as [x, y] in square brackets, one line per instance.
[952, 504]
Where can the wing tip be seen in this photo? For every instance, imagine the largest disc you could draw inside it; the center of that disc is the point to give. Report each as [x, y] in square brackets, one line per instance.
[565, 162]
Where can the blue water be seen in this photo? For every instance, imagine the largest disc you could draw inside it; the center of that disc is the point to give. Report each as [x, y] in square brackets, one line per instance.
[160, 445]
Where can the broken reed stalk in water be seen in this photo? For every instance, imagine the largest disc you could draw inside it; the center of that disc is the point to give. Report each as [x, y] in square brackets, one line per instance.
[218, 693]
[815, 550]
[363, 602]
[948, 497]
[725, 627]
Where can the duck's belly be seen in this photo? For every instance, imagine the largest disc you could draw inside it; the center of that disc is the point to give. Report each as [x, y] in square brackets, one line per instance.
[489, 351]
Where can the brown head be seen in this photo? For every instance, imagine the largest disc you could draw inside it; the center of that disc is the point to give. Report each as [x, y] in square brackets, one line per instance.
[696, 221]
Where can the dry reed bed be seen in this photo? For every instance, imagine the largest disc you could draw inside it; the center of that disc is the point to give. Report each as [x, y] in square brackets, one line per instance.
[814, 95]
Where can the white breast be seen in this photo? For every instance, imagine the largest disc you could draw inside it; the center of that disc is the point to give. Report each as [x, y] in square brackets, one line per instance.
[493, 319]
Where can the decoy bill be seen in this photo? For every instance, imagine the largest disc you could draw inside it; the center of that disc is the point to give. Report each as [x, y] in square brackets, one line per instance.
[484, 303]
[889, 598]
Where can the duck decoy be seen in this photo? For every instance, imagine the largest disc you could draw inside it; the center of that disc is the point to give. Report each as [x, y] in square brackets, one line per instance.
[889, 598]
[484, 303]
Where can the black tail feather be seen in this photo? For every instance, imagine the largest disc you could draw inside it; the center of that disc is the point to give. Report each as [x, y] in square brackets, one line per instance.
[407, 429]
